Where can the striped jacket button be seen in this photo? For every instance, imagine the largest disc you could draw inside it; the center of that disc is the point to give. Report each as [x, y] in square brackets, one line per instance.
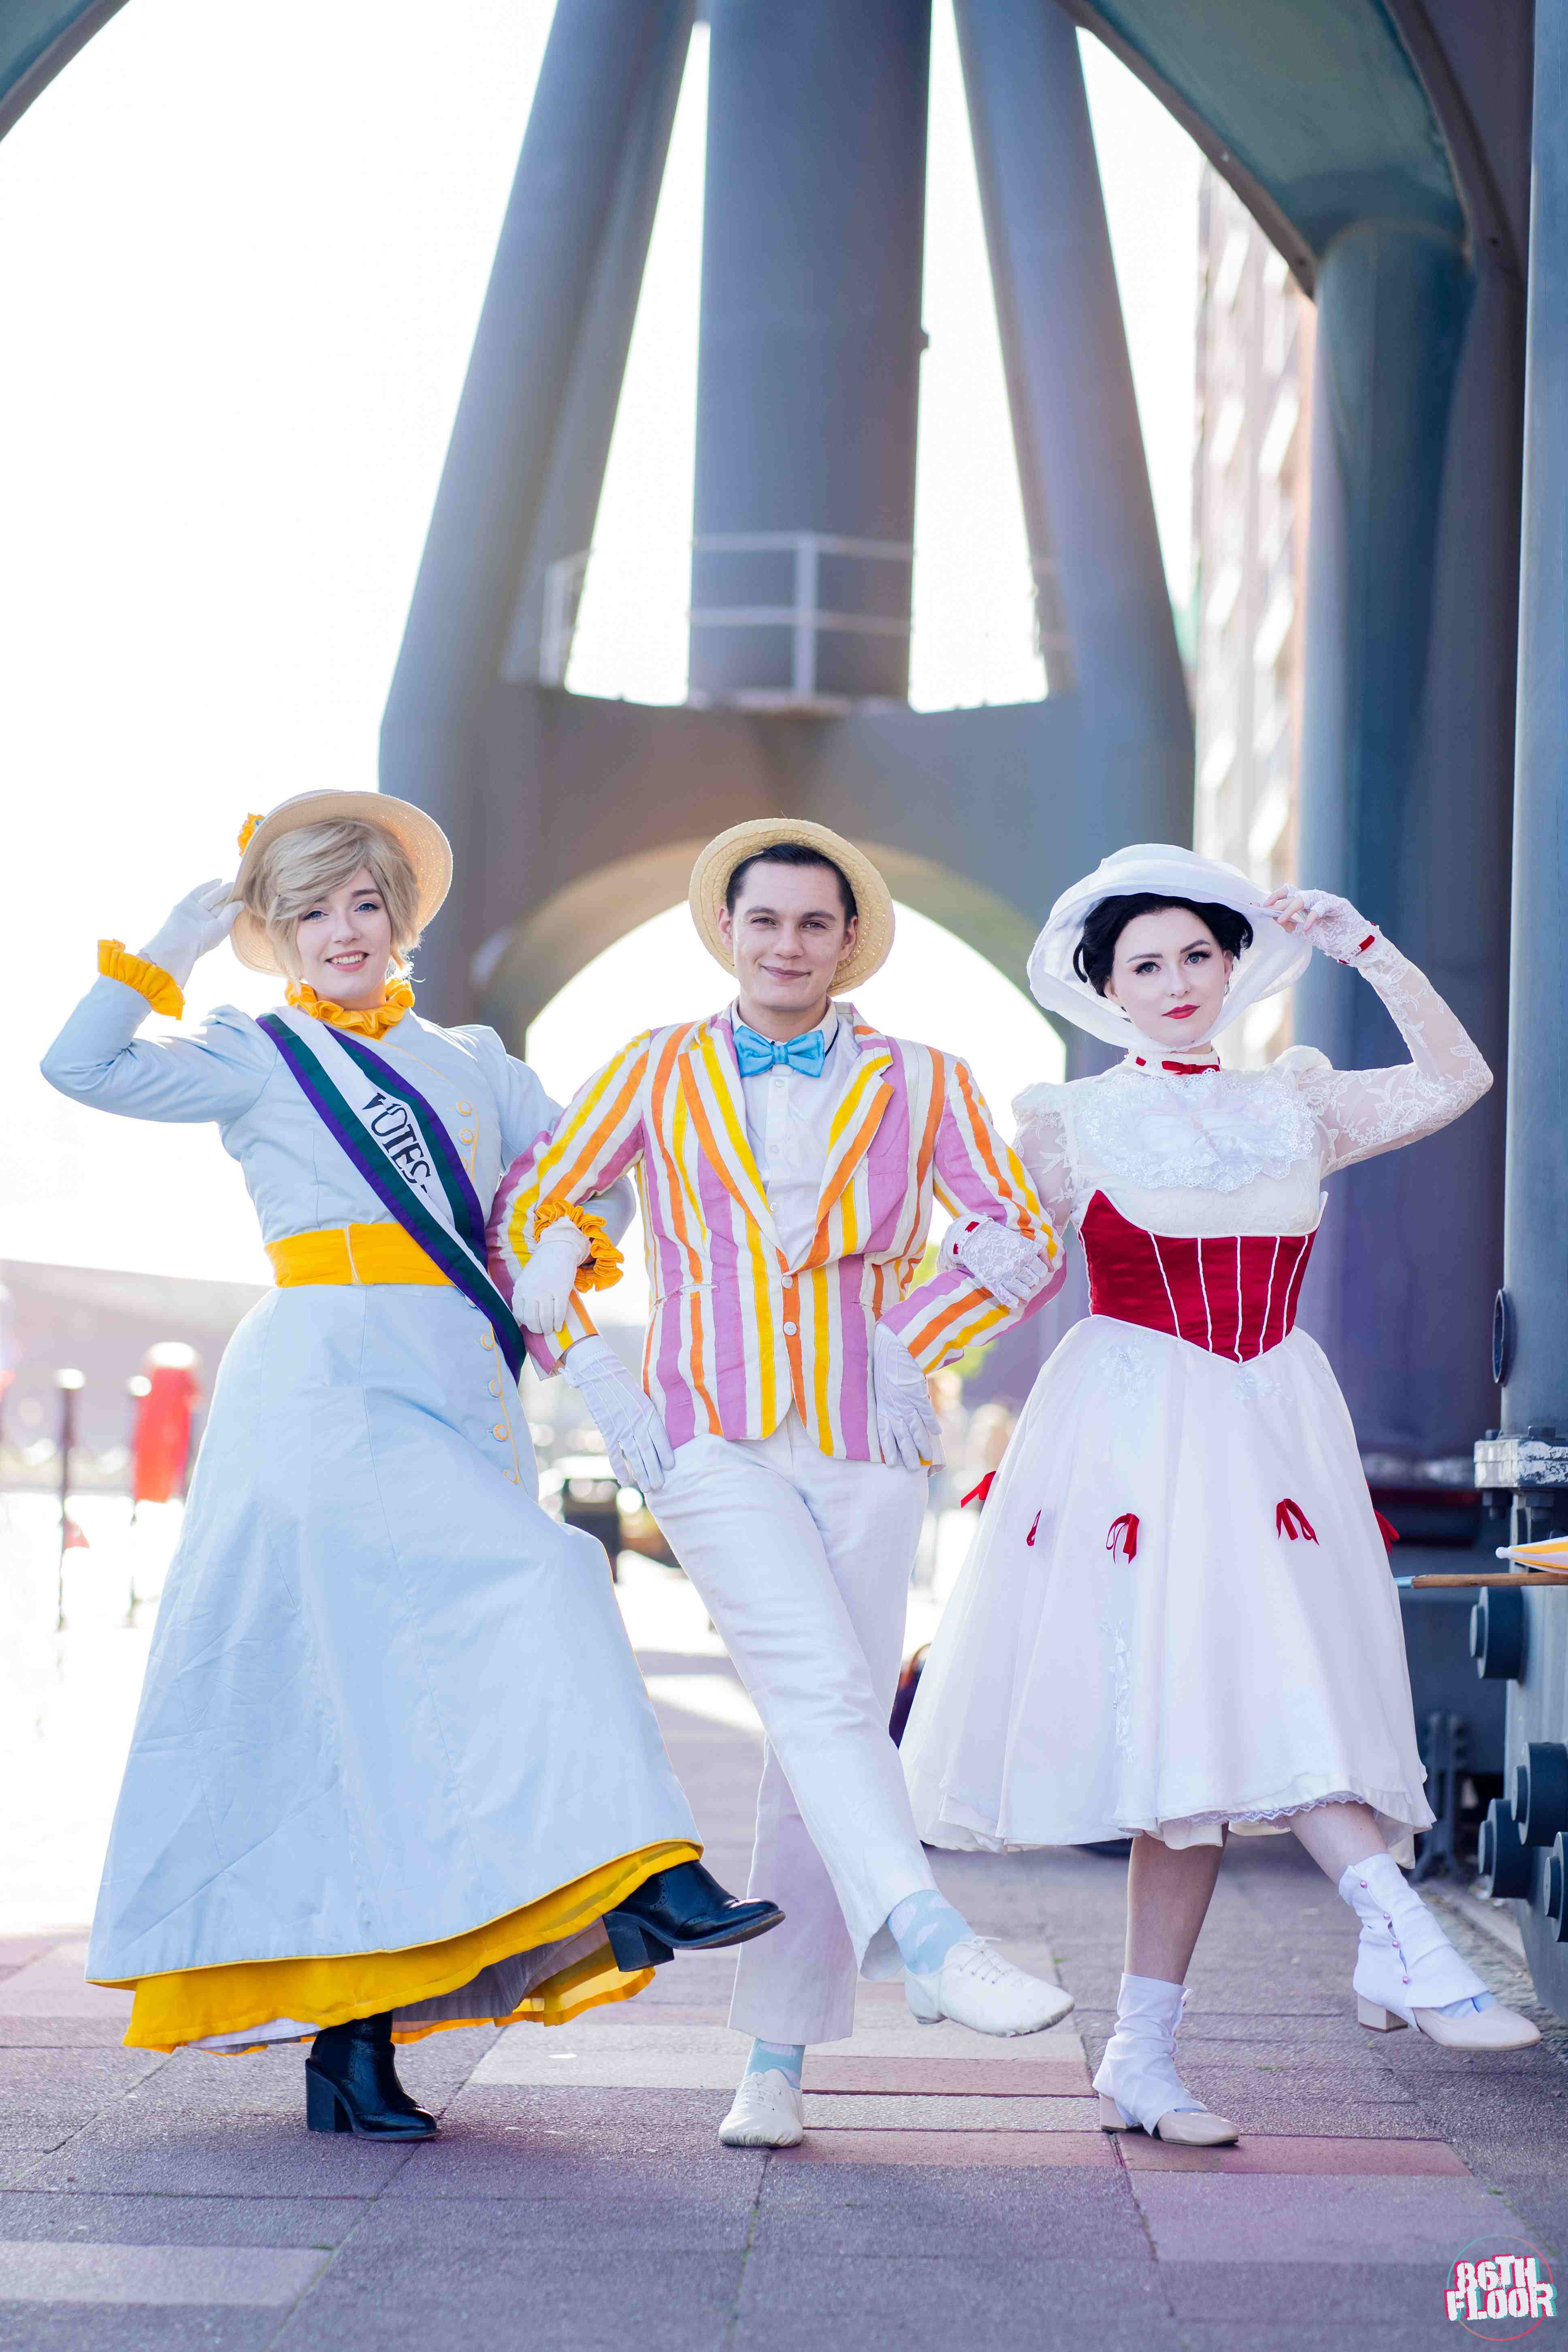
[790, 1329]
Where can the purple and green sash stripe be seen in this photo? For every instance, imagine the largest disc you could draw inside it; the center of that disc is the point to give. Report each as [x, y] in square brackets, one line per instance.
[452, 1251]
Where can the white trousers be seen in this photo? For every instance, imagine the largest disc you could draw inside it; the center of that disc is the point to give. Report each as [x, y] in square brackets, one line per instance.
[804, 1563]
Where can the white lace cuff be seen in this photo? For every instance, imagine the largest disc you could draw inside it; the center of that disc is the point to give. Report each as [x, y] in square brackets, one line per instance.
[1340, 932]
[1002, 1261]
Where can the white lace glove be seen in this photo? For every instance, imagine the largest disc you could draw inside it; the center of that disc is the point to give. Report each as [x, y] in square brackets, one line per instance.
[635, 1438]
[908, 1429]
[202, 920]
[1005, 1262]
[542, 1292]
[1330, 923]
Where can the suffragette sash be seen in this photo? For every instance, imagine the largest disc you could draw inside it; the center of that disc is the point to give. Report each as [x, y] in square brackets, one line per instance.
[401, 1148]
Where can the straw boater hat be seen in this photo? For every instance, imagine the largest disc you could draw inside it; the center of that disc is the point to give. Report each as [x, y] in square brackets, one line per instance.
[873, 900]
[1274, 960]
[418, 837]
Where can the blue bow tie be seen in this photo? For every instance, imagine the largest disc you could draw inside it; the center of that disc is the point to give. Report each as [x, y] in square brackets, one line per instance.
[757, 1054]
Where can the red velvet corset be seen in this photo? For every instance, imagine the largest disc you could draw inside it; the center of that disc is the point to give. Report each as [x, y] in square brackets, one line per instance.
[1234, 1294]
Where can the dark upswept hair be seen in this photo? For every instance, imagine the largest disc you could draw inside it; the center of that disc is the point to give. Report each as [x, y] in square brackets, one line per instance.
[789, 852]
[1104, 924]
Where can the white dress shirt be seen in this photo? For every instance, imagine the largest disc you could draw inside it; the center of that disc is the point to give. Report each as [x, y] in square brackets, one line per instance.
[787, 1120]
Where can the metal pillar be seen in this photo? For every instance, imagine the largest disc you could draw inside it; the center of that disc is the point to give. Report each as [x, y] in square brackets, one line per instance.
[1531, 1459]
[521, 483]
[1103, 603]
[808, 371]
[1407, 746]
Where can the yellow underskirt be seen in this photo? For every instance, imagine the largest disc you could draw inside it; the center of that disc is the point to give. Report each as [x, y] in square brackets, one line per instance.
[194, 2004]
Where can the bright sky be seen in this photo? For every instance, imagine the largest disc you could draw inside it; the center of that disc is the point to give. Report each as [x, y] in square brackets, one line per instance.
[239, 303]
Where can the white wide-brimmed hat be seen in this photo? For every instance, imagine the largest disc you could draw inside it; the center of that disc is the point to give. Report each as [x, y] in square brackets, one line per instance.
[1273, 960]
[873, 899]
[417, 834]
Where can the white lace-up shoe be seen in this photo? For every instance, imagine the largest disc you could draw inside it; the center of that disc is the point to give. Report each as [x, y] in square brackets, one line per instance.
[768, 2113]
[976, 1987]
[1407, 1972]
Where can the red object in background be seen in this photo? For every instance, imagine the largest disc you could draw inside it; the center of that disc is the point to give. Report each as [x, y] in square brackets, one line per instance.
[163, 1419]
[72, 1538]
[978, 1494]
[1385, 1528]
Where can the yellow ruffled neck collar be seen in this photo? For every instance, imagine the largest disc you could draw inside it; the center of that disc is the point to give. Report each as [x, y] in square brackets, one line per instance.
[371, 1021]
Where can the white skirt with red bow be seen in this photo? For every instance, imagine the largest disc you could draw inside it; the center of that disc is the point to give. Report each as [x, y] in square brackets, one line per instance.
[1178, 1612]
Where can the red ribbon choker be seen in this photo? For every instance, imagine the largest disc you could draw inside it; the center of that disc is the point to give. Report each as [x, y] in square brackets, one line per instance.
[1177, 1069]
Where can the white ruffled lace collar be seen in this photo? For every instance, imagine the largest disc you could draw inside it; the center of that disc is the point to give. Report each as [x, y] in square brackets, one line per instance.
[1159, 1129]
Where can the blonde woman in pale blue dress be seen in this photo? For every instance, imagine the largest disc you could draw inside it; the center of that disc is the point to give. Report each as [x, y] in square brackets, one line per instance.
[394, 1768]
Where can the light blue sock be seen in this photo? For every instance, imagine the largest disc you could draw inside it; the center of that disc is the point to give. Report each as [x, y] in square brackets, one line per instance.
[785, 2058]
[925, 1927]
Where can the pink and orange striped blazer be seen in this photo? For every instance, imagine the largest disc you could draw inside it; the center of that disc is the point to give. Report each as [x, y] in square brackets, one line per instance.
[735, 1333]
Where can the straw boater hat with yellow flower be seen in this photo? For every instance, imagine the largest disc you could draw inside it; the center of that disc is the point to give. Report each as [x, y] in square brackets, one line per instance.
[421, 839]
[712, 874]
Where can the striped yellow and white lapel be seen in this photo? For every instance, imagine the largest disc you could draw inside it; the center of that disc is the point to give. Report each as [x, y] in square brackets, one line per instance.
[853, 1130]
[711, 1089]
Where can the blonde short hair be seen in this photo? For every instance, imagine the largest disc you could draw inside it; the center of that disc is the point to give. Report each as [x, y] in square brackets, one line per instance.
[295, 872]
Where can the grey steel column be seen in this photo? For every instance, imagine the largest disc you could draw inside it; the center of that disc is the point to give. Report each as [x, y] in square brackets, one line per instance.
[1087, 501]
[1407, 753]
[1536, 1217]
[527, 457]
[1530, 1460]
[809, 365]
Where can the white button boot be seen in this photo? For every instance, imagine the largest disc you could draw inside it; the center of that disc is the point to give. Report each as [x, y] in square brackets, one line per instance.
[1139, 2087]
[1407, 1972]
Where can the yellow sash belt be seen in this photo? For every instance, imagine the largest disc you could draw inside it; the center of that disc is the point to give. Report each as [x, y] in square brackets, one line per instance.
[353, 1253]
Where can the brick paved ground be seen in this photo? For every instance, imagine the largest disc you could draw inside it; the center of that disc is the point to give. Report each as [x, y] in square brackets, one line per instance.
[951, 2191]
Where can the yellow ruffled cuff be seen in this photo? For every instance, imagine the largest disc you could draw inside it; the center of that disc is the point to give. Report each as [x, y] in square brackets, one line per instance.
[150, 980]
[601, 1268]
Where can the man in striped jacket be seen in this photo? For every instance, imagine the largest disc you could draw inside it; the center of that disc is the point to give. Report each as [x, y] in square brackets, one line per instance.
[787, 1156]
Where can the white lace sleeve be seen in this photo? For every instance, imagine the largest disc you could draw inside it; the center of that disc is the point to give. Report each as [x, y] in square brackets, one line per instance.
[1363, 1112]
[1044, 1144]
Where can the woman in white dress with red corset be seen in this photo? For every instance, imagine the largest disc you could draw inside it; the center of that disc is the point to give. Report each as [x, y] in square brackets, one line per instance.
[1177, 1618]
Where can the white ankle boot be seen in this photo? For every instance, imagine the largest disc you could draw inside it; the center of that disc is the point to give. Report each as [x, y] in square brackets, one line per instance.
[1139, 2087]
[976, 1987]
[768, 2113]
[1407, 1972]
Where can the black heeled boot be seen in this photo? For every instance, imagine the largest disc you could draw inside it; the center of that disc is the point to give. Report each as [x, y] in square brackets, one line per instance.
[683, 1910]
[352, 2084]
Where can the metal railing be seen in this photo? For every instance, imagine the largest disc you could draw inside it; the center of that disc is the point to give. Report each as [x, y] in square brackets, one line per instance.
[804, 616]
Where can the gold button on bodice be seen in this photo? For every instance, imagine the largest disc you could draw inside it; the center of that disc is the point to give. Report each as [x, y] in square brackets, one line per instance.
[501, 1429]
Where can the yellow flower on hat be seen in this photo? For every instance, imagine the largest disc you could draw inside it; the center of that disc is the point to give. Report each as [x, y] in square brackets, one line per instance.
[247, 828]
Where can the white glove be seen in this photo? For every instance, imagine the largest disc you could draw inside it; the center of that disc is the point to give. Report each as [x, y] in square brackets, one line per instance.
[202, 920]
[1330, 923]
[635, 1438]
[1002, 1261]
[542, 1292]
[908, 1429]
